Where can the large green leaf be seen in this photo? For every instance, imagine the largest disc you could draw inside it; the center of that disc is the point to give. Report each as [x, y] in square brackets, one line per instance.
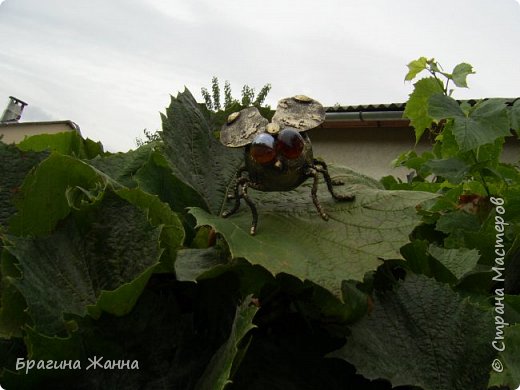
[514, 117]
[292, 238]
[417, 106]
[452, 169]
[75, 266]
[218, 373]
[458, 261]
[508, 361]
[156, 177]
[172, 332]
[486, 122]
[460, 73]
[191, 263]
[423, 334]
[15, 164]
[12, 304]
[122, 167]
[70, 143]
[159, 214]
[195, 154]
[44, 201]
[415, 67]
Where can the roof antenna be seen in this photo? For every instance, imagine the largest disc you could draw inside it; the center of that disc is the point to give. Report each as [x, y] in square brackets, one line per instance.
[13, 111]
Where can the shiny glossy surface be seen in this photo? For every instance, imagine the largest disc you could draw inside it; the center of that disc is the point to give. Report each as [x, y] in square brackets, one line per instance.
[289, 143]
[263, 149]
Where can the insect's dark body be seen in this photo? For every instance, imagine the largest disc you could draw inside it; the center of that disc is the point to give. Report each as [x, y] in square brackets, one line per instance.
[287, 177]
[278, 155]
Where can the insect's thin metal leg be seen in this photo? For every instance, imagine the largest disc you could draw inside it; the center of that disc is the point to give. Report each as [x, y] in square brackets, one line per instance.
[238, 175]
[324, 171]
[312, 172]
[335, 182]
[240, 191]
[252, 206]
[236, 193]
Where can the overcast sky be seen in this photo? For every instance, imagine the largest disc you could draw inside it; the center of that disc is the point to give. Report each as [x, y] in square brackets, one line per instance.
[110, 65]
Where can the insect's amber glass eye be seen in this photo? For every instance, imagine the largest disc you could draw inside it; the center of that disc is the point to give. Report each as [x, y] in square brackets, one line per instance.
[290, 143]
[262, 149]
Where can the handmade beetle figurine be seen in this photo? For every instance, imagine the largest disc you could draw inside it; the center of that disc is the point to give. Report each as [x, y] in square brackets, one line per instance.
[278, 155]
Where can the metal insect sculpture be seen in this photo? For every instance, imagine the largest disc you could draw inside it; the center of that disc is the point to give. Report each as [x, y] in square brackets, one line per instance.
[278, 155]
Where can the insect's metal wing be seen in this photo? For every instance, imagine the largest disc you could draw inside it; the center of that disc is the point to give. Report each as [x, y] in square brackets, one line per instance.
[242, 127]
[300, 112]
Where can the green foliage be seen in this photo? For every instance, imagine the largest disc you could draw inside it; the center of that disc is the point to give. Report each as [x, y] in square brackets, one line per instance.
[218, 373]
[86, 263]
[149, 137]
[195, 155]
[510, 359]
[423, 334]
[457, 242]
[417, 106]
[349, 244]
[125, 256]
[248, 97]
[482, 125]
[15, 166]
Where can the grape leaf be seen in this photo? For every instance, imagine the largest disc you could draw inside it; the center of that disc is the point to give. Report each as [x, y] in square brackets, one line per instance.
[460, 73]
[452, 169]
[415, 67]
[417, 106]
[458, 261]
[485, 123]
[423, 334]
[292, 238]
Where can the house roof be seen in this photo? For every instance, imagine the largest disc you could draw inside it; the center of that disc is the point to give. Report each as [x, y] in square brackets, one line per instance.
[399, 106]
[365, 115]
[13, 125]
[377, 115]
[367, 107]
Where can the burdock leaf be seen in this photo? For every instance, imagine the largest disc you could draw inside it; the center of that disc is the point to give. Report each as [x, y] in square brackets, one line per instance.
[122, 167]
[423, 334]
[43, 200]
[509, 360]
[195, 154]
[514, 116]
[218, 373]
[292, 238]
[191, 263]
[15, 164]
[70, 143]
[110, 259]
